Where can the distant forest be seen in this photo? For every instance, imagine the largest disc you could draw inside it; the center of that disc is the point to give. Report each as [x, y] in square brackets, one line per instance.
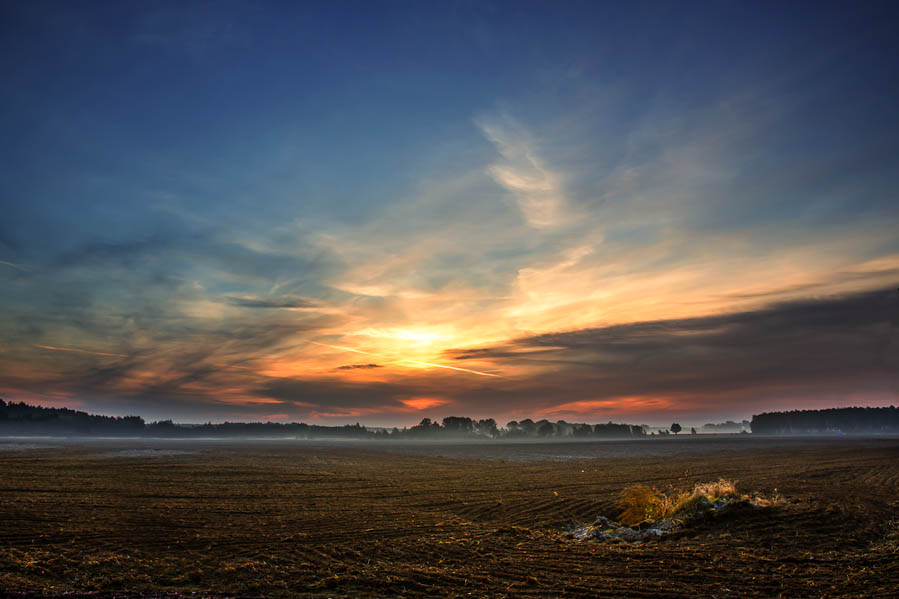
[726, 427]
[25, 419]
[838, 420]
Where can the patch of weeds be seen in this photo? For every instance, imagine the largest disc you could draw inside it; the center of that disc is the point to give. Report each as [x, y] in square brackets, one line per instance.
[640, 503]
[647, 512]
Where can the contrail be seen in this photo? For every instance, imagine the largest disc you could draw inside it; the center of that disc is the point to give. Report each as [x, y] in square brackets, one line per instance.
[418, 362]
[478, 372]
[12, 265]
[340, 347]
[81, 351]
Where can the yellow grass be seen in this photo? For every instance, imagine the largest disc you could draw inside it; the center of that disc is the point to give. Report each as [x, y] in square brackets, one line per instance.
[639, 503]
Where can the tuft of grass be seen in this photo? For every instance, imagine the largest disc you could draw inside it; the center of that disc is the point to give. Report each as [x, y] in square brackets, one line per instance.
[722, 489]
[639, 503]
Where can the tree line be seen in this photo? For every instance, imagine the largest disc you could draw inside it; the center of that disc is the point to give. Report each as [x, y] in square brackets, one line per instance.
[836, 420]
[456, 426]
[726, 427]
[22, 418]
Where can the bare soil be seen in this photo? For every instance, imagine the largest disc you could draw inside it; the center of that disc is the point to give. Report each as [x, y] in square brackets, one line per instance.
[227, 519]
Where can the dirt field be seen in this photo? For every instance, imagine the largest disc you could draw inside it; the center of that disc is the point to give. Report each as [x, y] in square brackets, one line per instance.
[349, 520]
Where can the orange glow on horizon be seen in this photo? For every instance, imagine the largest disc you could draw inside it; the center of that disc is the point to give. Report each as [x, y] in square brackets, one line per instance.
[263, 400]
[424, 403]
[602, 407]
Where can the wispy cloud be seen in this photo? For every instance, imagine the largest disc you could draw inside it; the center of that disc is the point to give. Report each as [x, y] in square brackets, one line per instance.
[538, 191]
[14, 265]
[273, 303]
[192, 31]
[81, 351]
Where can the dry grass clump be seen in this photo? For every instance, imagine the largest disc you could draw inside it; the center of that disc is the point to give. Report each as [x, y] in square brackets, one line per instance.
[721, 489]
[639, 503]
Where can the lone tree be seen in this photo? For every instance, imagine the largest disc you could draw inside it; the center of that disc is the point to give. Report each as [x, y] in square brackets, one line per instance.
[675, 428]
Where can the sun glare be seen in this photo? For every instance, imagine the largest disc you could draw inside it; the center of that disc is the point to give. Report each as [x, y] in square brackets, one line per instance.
[417, 336]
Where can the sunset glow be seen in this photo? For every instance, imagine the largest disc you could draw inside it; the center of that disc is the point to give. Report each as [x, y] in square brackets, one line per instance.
[423, 403]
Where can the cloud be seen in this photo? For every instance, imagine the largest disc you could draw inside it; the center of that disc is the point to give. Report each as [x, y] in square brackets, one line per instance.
[284, 303]
[358, 367]
[18, 267]
[537, 189]
[176, 322]
[791, 353]
[84, 351]
[194, 32]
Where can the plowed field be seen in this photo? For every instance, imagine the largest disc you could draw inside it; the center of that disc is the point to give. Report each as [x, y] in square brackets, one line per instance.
[352, 520]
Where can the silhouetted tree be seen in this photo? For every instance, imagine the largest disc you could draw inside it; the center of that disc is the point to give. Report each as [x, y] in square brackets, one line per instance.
[458, 425]
[675, 428]
[582, 430]
[528, 426]
[487, 427]
[513, 430]
[610, 429]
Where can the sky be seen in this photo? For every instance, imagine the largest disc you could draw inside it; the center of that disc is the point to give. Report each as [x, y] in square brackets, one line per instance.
[376, 212]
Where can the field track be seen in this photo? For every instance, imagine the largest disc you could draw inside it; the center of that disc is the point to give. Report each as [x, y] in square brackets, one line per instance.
[317, 520]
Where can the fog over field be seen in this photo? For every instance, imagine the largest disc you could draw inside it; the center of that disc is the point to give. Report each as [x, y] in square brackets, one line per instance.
[478, 449]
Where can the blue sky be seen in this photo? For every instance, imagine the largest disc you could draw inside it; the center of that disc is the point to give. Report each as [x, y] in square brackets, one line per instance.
[207, 202]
